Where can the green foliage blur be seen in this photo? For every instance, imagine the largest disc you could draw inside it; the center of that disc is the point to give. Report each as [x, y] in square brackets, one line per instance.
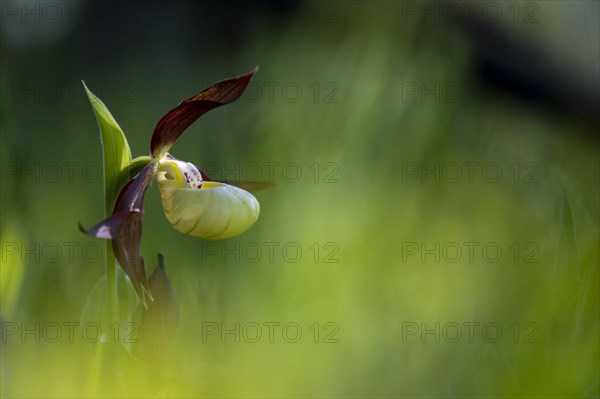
[350, 283]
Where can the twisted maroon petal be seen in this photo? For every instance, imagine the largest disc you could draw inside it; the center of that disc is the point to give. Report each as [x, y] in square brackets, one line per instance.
[109, 228]
[170, 127]
[124, 228]
[126, 245]
[243, 184]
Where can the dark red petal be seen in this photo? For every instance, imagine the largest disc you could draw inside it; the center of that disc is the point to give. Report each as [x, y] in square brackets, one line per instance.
[251, 185]
[132, 194]
[170, 127]
[109, 227]
[126, 245]
[243, 184]
[204, 175]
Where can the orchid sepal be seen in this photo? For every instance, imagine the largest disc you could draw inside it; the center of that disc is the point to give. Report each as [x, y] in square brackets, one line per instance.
[172, 125]
[109, 228]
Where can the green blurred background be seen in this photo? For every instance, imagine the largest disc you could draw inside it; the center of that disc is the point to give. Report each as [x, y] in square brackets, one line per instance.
[361, 98]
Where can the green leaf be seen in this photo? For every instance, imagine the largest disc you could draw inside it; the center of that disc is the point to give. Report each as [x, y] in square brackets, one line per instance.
[116, 152]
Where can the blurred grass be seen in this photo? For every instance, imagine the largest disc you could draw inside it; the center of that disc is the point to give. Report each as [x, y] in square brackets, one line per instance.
[368, 214]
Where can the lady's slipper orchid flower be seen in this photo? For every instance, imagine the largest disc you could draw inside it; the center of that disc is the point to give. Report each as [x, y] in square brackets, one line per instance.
[193, 203]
